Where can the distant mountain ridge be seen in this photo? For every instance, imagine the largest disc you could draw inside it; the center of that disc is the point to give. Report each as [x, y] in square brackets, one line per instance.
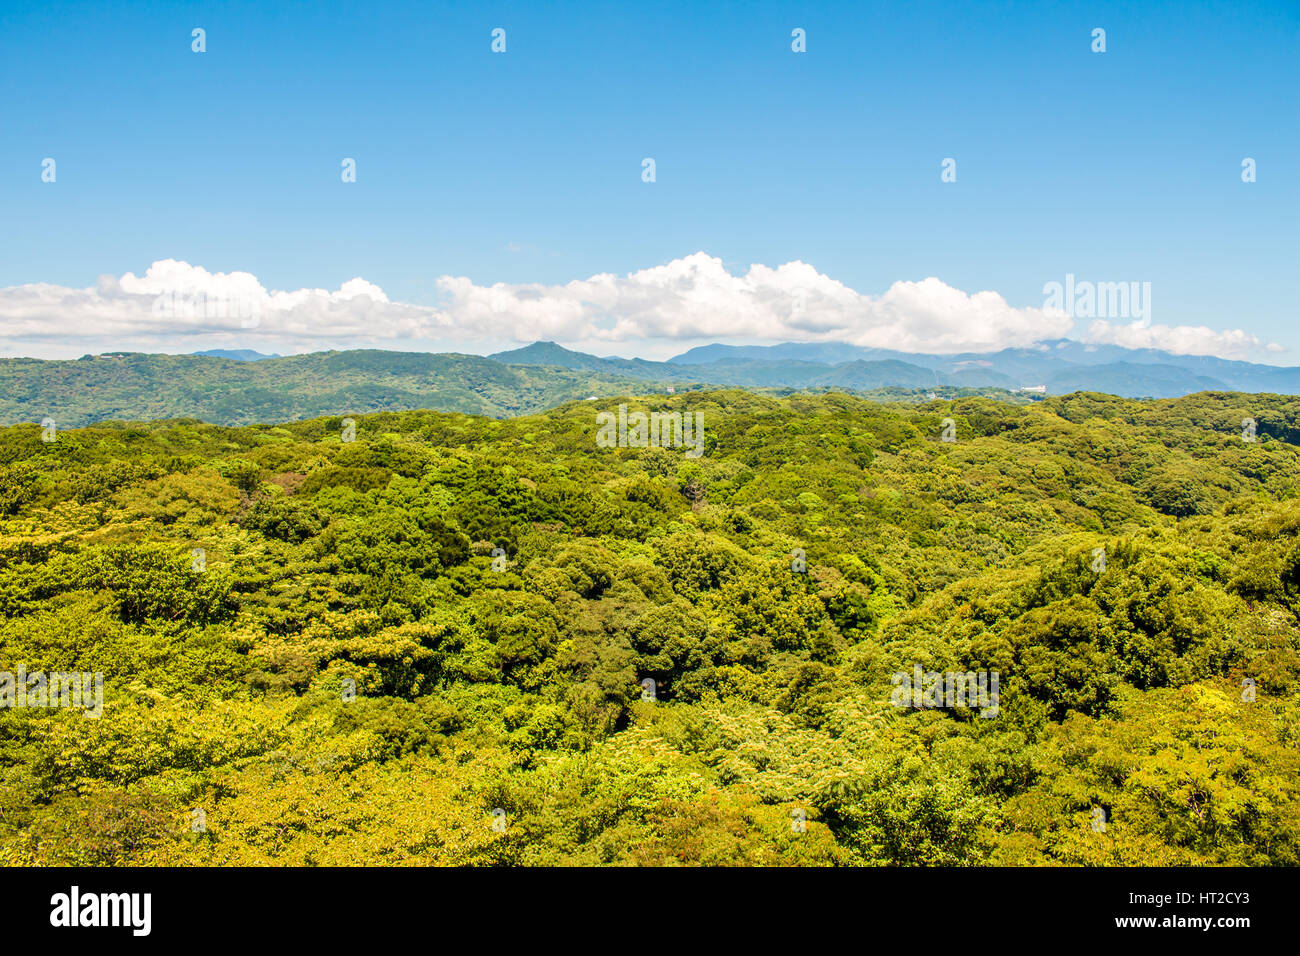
[1061, 365]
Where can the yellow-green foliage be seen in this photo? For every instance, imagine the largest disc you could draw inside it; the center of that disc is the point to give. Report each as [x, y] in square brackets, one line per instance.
[356, 651]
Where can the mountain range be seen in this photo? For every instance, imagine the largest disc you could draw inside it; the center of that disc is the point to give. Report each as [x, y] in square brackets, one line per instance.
[1057, 367]
[239, 387]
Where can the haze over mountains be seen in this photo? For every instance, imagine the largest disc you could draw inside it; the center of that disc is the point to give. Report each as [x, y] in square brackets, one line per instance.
[234, 387]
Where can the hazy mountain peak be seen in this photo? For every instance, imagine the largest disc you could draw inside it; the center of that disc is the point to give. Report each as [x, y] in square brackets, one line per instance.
[238, 355]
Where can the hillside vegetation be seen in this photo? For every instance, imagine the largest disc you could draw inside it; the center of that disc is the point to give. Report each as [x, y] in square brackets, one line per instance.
[135, 386]
[312, 654]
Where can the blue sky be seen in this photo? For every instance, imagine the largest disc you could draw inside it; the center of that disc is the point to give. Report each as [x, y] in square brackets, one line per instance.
[524, 168]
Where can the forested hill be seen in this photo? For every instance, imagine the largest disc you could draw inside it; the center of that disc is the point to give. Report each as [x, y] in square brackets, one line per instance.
[450, 639]
[135, 386]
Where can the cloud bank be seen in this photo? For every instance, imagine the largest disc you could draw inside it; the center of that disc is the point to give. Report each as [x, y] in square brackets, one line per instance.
[178, 307]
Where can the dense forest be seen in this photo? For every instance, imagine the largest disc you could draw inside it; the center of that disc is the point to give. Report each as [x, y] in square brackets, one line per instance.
[434, 638]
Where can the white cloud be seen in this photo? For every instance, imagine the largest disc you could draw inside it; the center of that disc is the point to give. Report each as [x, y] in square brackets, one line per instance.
[695, 298]
[177, 307]
[1179, 339]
